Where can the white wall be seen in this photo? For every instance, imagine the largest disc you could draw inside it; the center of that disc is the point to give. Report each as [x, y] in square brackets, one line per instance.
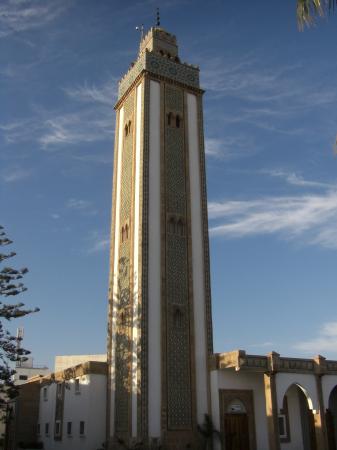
[296, 439]
[136, 237]
[197, 260]
[328, 383]
[229, 379]
[306, 381]
[115, 267]
[88, 406]
[64, 361]
[154, 349]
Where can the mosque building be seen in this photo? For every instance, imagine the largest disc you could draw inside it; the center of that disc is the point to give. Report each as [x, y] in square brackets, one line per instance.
[162, 380]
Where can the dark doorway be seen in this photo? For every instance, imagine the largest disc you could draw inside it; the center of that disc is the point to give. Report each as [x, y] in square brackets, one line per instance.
[331, 419]
[236, 432]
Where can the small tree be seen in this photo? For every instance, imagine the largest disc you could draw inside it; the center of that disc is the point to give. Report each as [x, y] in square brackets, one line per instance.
[208, 432]
[10, 286]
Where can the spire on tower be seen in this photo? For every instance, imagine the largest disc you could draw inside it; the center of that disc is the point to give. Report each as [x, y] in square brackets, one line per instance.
[158, 18]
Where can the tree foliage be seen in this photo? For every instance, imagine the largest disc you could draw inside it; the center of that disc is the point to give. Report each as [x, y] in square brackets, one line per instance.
[309, 10]
[10, 285]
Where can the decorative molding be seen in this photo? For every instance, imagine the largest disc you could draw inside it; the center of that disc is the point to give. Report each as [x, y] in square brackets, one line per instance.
[159, 65]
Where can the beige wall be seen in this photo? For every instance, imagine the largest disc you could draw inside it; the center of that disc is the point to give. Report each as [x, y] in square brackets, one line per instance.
[64, 361]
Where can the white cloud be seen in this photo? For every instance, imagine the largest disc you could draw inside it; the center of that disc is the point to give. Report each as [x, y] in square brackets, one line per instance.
[297, 180]
[311, 218]
[78, 204]
[84, 207]
[55, 216]
[105, 94]
[16, 174]
[22, 15]
[229, 147]
[75, 128]
[324, 342]
[54, 130]
[99, 246]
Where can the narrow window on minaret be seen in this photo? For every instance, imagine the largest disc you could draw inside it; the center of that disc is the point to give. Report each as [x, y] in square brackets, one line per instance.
[126, 232]
[129, 127]
[169, 119]
[126, 130]
[178, 319]
[171, 226]
[180, 228]
[177, 121]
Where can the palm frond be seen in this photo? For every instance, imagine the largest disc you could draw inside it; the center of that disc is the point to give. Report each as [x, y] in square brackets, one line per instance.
[309, 10]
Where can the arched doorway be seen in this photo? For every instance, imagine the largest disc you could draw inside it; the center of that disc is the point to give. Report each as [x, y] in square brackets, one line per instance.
[331, 419]
[297, 429]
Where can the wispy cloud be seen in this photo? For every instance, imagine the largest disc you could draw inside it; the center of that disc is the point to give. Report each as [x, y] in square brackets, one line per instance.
[267, 95]
[84, 207]
[104, 94]
[311, 218]
[99, 242]
[229, 147]
[324, 342]
[87, 123]
[297, 180]
[99, 246]
[12, 175]
[22, 15]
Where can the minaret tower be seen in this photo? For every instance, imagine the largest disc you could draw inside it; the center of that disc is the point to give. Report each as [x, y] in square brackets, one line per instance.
[160, 330]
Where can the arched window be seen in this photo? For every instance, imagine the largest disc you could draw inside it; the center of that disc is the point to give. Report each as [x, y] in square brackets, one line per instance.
[178, 120]
[171, 225]
[161, 52]
[180, 228]
[178, 319]
[126, 129]
[236, 406]
[169, 119]
[129, 127]
[126, 231]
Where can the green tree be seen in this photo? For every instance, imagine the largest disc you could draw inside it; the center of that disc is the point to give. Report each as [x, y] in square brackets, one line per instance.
[309, 10]
[10, 286]
[208, 432]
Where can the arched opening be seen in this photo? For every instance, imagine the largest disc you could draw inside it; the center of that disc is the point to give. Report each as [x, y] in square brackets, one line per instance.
[178, 319]
[126, 231]
[169, 119]
[178, 121]
[129, 127]
[171, 225]
[331, 420]
[126, 129]
[180, 228]
[296, 420]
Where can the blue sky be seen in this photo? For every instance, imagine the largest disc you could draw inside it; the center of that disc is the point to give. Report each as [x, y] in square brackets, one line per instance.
[270, 126]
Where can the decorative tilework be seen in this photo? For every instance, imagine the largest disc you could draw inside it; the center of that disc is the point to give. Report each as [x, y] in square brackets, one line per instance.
[178, 370]
[159, 65]
[124, 307]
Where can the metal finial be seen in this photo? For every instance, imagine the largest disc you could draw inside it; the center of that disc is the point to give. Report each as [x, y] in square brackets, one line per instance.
[141, 29]
[158, 18]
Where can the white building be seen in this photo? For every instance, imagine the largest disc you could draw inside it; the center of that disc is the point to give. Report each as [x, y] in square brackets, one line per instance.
[73, 408]
[27, 369]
